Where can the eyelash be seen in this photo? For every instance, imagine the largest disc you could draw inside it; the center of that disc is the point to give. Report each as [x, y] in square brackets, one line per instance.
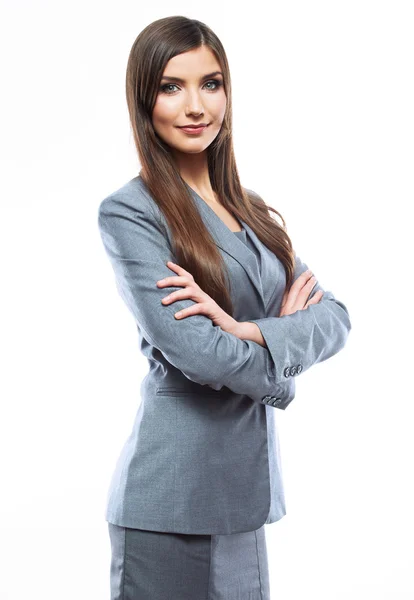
[216, 81]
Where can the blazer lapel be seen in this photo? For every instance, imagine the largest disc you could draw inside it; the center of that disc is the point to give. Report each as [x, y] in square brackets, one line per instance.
[271, 268]
[230, 243]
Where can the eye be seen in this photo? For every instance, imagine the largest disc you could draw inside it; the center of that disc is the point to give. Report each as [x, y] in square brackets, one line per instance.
[164, 88]
[217, 82]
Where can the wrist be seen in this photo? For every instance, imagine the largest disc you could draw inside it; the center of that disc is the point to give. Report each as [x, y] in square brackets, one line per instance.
[246, 330]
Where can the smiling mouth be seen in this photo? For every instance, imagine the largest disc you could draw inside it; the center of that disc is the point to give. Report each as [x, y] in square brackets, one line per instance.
[193, 126]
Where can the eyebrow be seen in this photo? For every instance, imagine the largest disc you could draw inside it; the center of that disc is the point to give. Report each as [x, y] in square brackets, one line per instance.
[183, 81]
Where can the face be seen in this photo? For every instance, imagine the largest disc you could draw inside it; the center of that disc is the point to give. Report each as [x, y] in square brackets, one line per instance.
[187, 96]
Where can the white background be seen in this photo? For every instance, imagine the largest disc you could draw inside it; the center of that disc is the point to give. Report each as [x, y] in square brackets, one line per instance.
[323, 131]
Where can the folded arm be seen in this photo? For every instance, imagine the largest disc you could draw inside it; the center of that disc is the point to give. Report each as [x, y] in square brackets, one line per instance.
[138, 250]
[310, 336]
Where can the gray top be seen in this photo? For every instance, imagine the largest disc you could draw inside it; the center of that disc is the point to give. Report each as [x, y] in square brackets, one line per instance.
[245, 238]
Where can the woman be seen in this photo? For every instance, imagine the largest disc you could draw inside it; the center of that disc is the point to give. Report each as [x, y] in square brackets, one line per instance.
[200, 473]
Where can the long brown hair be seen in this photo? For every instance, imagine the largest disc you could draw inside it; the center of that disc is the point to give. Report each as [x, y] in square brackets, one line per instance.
[194, 248]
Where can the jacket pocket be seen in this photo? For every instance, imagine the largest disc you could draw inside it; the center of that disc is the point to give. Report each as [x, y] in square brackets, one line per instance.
[167, 391]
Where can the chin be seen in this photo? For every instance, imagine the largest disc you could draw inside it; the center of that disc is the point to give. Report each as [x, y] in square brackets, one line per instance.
[192, 150]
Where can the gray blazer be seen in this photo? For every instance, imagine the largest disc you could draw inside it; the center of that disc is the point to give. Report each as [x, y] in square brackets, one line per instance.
[203, 454]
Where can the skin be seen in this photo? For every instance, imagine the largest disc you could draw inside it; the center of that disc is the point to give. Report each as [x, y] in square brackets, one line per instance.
[200, 99]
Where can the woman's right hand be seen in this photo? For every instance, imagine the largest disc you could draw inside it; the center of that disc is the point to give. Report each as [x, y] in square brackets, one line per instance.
[295, 299]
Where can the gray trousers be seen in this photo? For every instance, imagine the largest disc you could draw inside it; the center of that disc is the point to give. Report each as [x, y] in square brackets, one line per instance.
[153, 565]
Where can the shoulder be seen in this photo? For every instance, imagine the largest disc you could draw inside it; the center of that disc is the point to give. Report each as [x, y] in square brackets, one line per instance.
[253, 195]
[130, 200]
[255, 198]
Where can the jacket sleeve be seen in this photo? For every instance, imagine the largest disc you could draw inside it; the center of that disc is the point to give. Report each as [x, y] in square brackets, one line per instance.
[138, 250]
[305, 337]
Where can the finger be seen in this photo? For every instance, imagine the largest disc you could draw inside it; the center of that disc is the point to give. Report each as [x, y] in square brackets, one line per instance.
[178, 269]
[196, 309]
[307, 278]
[176, 280]
[298, 284]
[188, 292]
[303, 277]
[315, 299]
[307, 289]
[309, 286]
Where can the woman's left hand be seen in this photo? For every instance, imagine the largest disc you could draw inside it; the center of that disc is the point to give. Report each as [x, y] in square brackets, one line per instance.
[205, 304]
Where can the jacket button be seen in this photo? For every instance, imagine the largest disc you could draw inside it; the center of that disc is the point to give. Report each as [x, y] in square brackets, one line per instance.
[266, 399]
[293, 370]
[299, 369]
[286, 372]
[276, 401]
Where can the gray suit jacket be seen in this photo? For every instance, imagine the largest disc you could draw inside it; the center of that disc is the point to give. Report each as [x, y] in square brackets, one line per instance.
[203, 454]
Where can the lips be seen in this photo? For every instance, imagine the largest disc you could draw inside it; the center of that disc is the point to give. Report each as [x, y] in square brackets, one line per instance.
[194, 126]
[193, 131]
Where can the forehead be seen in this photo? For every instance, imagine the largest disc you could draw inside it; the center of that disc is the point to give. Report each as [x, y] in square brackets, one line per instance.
[192, 64]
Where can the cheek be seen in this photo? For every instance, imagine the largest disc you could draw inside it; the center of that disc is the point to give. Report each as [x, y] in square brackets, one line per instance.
[165, 112]
[218, 107]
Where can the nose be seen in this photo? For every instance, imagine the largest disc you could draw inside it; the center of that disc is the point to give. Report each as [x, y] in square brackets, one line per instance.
[194, 104]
